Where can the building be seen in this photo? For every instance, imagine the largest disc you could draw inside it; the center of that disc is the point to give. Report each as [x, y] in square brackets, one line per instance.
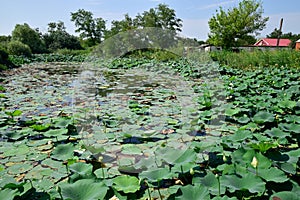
[297, 45]
[272, 42]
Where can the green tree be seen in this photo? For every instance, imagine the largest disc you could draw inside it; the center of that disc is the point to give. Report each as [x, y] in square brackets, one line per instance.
[90, 28]
[18, 48]
[58, 38]
[227, 27]
[30, 37]
[162, 17]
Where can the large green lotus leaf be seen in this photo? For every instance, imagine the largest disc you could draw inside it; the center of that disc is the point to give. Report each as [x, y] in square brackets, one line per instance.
[84, 189]
[285, 195]
[292, 119]
[156, 175]
[263, 117]
[126, 184]
[81, 168]
[105, 173]
[19, 168]
[287, 104]
[225, 198]
[131, 149]
[17, 150]
[294, 128]
[245, 157]
[177, 156]
[39, 172]
[42, 185]
[211, 182]
[250, 182]
[8, 194]
[276, 132]
[230, 112]
[190, 192]
[40, 127]
[55, 132]
[63, 151]
[273, 174]
[62, 122]
[14, 113]
[15, 135]
[240, 135]
[164, 192]
[289, 167]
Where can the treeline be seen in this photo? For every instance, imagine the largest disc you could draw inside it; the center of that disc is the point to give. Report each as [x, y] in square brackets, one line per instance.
[25, 40]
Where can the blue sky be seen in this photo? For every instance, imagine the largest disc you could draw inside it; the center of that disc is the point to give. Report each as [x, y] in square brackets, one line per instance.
[194, 13]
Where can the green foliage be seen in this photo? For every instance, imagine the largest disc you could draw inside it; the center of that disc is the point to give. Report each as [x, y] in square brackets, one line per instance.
[67, 56]
[19, 49]
[89, 28]
[154, 152]
[58, 38]
[237, 23]
[252, 60]
[32, 38]
[156, 29]
[5, 62]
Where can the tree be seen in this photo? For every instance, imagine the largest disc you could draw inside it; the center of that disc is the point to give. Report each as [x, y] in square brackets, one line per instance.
[162, 17]
[30, 37]
[58, 38]
[227, 27]
[90, 28]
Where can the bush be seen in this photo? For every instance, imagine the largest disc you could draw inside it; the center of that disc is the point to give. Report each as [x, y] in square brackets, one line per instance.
[19, 49]
[252, 60]
[4, 60]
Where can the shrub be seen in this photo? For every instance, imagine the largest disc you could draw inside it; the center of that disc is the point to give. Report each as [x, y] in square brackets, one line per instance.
[19, 49]
[4, 59]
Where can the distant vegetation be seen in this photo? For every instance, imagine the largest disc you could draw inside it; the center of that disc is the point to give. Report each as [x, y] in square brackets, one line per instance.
[253, 60]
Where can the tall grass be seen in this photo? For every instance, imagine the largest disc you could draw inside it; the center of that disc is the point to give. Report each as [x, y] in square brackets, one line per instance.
[257, 59]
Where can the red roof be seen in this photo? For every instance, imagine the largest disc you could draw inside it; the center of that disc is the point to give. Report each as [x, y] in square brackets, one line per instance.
[272, 42]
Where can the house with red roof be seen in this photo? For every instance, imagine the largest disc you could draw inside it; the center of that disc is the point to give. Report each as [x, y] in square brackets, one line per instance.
[297, 45]
[272, 42]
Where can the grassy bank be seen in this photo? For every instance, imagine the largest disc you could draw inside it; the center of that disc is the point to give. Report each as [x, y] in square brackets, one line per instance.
[256, 59]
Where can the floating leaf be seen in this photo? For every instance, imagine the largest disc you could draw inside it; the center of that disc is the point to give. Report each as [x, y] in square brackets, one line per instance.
[263, 117]
[287, 104]
[126, 184]
[230, 112]
[63, 151]
[285, 195]
[8, 194]
[249, 182]
[84, 189]
[156, 175]
[295, 128]
[194, 192]
[55, 132]
[40, 127]
[273, 174]
[82, 169]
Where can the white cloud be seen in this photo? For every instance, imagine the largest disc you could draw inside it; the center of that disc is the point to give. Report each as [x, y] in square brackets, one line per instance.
[216, 5]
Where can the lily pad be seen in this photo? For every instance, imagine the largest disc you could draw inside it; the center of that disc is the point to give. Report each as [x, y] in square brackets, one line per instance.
[263, 117]
[194, 192]
[127, 184]
[84, 189]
